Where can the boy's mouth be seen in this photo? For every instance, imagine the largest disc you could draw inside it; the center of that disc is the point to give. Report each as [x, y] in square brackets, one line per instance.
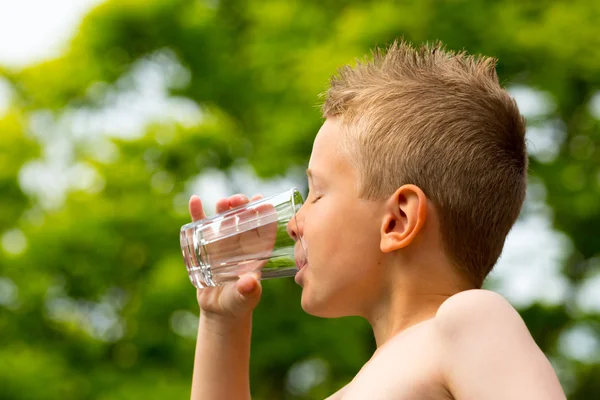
[300, 264]
[300, 257]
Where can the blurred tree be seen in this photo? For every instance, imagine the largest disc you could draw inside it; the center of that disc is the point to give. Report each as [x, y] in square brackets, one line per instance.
[94, 301]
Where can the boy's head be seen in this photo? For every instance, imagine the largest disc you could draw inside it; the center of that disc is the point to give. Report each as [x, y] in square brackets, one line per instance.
[441, 122]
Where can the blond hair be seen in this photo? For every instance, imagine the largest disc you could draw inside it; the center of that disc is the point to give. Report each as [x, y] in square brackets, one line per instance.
[439, 120]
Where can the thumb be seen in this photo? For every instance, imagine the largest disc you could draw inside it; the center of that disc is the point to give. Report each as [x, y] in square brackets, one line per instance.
[249, 290]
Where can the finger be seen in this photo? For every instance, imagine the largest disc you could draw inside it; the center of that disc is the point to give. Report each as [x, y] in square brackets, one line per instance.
[247, 219]
[222, 205]
[268, 226]
[257, 197]
[195, 207]
[227, 247]
[241, 297]
[266, 211]
[249, 287]
[238, 200]
[228, 224]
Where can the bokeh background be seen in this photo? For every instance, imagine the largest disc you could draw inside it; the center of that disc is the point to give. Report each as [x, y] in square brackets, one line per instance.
[112, 113]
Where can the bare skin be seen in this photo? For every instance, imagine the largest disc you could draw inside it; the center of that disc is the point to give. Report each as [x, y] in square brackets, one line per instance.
[436, 337]
[221, 365]
[476, 347]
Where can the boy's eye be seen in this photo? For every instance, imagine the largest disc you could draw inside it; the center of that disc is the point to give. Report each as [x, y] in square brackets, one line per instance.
[317, 198]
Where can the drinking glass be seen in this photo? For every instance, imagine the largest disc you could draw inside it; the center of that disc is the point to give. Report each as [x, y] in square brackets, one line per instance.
[249, 238]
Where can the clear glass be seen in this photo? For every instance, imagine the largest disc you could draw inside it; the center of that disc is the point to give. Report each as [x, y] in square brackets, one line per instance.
[252, 237]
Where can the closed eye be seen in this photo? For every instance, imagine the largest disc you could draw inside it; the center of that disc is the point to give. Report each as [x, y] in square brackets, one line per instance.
[317, 198]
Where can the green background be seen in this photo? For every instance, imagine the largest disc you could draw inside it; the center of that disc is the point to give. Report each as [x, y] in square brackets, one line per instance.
[94, 300]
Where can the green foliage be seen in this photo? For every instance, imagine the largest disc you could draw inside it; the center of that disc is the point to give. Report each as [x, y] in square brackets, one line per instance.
[103, 308]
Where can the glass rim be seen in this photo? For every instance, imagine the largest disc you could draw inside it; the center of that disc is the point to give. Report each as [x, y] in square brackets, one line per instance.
[208, 220]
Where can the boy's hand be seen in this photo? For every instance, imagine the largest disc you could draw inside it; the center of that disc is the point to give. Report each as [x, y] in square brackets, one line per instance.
[234, 299]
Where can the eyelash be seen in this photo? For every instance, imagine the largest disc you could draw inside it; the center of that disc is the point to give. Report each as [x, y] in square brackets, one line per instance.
[316, 199]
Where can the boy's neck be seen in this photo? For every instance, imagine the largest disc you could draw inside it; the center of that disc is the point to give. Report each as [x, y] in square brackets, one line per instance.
[402, 313]
[408, 303]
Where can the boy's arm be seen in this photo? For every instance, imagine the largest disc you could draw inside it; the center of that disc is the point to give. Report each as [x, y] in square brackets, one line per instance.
[221, 363]
[488, 353]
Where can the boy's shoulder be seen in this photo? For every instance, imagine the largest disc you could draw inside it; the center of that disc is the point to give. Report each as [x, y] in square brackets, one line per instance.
[476, 346]
[488, 351]
[476, 309]
[414, 363]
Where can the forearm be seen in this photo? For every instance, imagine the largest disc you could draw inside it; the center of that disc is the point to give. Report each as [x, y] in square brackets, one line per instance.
[221, 364]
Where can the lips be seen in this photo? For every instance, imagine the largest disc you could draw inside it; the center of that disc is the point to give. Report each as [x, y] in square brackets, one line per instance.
[300, 264]
[300, 256]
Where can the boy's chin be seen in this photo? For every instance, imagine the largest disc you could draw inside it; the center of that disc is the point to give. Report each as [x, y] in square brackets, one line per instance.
[322, 307]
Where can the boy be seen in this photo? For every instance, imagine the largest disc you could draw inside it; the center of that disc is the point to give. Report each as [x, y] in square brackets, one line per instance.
[415, 178]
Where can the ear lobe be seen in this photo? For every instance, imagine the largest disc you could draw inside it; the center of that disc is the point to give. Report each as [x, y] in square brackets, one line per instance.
[404, 219]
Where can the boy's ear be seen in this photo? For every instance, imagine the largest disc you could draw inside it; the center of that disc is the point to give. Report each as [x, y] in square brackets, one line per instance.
[406, 211]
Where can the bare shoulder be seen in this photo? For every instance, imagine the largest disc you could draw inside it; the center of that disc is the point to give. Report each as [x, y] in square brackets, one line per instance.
[477, 306]
[407, 366]
[488, 352]
[474, 320]
[337, 395]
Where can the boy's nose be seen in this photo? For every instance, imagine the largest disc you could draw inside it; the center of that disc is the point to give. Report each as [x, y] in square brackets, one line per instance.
[295, 226]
